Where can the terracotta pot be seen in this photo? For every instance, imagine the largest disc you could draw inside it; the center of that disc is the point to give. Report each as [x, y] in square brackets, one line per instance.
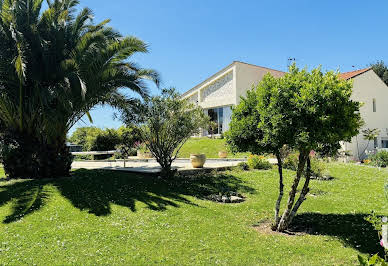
[144, 155]
[222, 154]
[197, 160]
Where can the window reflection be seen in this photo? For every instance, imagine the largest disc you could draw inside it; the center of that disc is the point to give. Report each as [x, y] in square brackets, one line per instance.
[217, 115]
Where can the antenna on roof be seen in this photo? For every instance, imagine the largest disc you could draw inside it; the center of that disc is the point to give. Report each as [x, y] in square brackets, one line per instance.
[290, 60]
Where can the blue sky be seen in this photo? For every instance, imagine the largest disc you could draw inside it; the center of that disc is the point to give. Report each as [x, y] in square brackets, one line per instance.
[191, 40]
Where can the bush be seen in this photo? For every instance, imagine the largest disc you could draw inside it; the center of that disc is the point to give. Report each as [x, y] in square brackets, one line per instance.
[259, 162]
[318, 166]
[291, 162]
[243, 166]
[380, 159]
[83, 157]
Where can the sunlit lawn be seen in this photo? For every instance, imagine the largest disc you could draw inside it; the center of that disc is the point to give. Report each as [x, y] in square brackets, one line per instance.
[210, 147]
[98, 217]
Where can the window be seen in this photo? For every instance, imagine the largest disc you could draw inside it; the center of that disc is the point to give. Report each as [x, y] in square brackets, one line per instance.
[384, 144]
[374, 105]
[217, 115]
[220, 119]
[375, 143]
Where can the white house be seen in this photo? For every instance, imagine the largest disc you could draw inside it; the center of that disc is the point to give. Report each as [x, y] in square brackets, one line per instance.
[369, 89]
[217, 94]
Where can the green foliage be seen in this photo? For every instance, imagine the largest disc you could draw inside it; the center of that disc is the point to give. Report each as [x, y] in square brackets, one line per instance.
[318, 166]
[369, 135]
[244, 134]
[379, 159]
[259, 162]
[85, 136]
[166, 123]
[291, 161]
[243, 166]
[381, 70]
[373, 260]
[96, 139]
[307, 110]
[209, 147]
[55, 66]
[302, 110]
[212, 127]
[106, 141]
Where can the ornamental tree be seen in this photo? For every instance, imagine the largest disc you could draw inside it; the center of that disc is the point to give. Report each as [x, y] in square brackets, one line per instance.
[166, 122]
[56, 64]
[304, 110]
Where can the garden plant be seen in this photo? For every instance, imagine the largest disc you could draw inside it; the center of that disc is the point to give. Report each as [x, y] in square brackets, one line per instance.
[304, 111]
[55, 66]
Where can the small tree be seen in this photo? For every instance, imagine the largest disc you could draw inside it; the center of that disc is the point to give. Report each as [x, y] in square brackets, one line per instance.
[128, 137]
[244, 135]
[212, 127]
[305, 111]
[381, 70]
[166, 123]
[369, 135]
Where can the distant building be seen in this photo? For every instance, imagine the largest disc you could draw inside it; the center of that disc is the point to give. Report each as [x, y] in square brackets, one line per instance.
[217, 94]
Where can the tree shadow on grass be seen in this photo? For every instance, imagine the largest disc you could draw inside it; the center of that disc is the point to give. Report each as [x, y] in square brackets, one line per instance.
[95, 191]
[27, 196]
[351, 229]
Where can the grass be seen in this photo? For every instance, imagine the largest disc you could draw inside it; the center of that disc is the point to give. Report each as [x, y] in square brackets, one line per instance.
[102, 217]
[208, 146]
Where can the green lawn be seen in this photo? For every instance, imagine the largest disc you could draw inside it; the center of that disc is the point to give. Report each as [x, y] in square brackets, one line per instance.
[101, 217]
[208, 146]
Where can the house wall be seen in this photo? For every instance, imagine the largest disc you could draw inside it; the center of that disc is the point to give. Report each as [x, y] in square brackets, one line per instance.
[225, 88]
[366, 87]
[248, 76]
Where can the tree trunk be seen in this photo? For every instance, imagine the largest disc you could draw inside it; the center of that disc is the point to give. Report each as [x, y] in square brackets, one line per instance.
[284, 221]
[165, 162]
[18, 154]
[54, 160]
[281, 189]
[303, 193]
[24, 156]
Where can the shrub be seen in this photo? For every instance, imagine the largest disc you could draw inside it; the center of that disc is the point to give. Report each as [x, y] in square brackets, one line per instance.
[166, 122]
[380, 159]
[83, 157]
[291, 162]
[243, 166]
[318, 167]
[259, 162]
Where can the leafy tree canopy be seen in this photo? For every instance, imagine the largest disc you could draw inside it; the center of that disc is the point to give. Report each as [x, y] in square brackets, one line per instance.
[167, 121]
[381, 69]
[55, 66]
[302, 110]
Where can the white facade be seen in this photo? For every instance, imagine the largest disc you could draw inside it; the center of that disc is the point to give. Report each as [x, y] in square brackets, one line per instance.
[223, 90]
[217, 94]
[372, 92]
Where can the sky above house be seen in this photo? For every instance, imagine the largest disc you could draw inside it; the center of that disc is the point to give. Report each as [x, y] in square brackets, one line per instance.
[191, 40]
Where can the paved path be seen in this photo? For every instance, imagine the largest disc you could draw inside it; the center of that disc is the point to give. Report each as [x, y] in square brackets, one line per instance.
[151, 166]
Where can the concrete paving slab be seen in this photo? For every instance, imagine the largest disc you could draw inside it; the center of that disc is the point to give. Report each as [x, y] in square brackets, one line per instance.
[152, 167]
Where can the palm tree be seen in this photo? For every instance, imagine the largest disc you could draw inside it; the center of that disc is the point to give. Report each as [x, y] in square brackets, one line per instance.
[55, 65]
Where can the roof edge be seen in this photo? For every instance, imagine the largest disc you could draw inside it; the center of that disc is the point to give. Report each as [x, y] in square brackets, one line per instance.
[223, 70]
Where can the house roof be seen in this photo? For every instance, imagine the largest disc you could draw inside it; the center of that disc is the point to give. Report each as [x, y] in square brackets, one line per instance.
[352, 74]
[273, 71]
